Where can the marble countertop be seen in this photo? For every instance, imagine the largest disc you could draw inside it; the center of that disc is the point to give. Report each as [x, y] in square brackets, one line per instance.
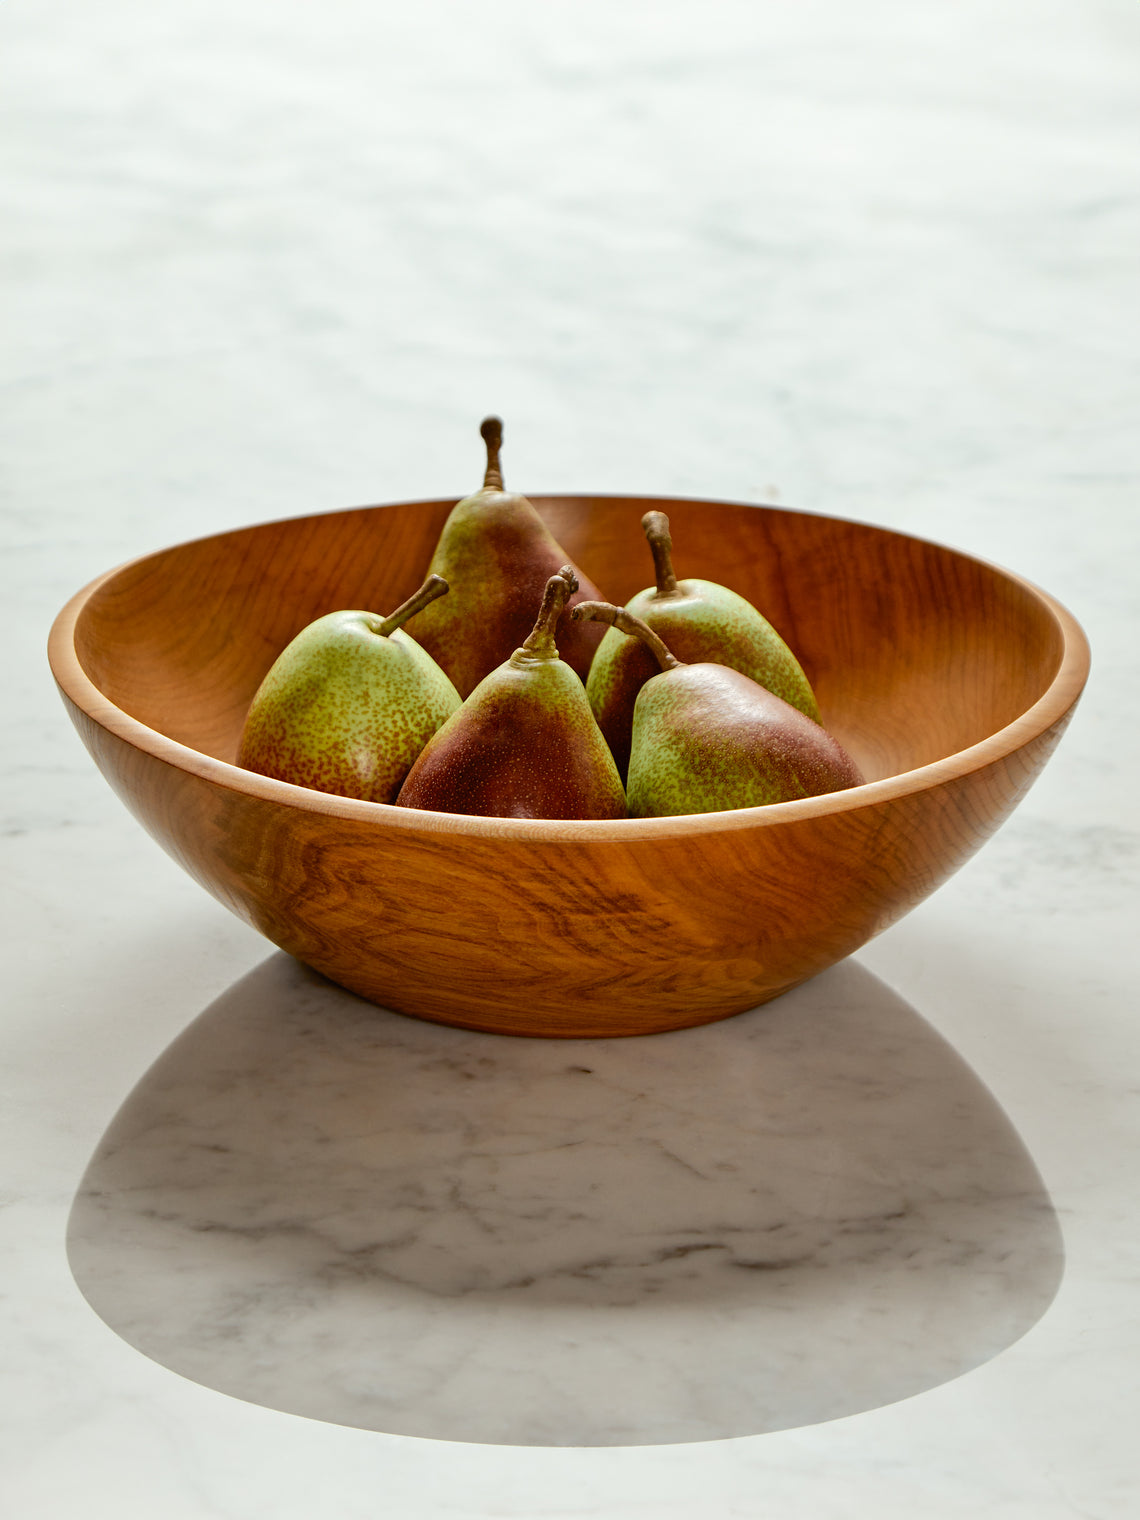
[871, 1249]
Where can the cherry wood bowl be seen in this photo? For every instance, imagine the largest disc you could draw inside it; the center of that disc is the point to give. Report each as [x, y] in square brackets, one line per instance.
[948, 679]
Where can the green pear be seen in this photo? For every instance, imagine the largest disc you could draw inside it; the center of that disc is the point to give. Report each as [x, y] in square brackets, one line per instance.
[707, 738]
[497, 554]
[349, 704]
[699, 621]
[524, 744]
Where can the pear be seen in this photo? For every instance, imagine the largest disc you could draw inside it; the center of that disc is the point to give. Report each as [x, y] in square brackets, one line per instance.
[498, 554]
[698, 620]
[708, 738]
[349, 704]
[524, 744]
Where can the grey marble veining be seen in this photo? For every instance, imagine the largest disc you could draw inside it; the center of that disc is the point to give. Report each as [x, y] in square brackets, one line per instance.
[272, 258]
[325, 1208]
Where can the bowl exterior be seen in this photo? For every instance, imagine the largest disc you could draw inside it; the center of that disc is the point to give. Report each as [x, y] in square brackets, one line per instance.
[573, 938]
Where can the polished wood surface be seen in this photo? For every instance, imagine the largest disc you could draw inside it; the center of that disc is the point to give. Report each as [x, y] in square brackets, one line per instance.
[950, 682]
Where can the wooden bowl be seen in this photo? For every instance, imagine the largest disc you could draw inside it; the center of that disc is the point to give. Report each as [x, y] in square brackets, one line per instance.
[948, 679]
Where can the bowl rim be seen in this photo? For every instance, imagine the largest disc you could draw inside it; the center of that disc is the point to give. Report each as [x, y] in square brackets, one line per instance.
[1053, 704]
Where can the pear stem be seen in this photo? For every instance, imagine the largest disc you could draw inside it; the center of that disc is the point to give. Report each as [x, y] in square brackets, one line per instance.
[655, 526]
[625, 622]
[434, 586]
[491, 431]
[558, 591]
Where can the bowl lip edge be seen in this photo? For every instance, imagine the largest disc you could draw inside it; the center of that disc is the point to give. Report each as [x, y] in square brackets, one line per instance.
[1052, 706]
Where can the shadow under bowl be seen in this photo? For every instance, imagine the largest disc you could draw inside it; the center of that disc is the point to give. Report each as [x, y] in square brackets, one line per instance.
[948, 679]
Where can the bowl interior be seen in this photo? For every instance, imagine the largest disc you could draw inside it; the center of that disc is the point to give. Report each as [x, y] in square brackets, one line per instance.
[916, 651]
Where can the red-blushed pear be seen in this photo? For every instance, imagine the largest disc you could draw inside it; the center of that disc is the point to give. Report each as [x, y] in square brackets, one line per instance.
[699, 621]
[349, 703]
[497, 554]
[524, 744]
[707, 738]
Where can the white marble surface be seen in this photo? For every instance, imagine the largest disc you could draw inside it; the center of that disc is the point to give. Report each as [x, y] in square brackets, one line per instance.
[879, 260]
[804, 1212]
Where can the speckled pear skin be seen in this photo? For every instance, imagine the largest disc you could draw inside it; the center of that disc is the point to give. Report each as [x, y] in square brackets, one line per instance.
[703, 622]
[524, 744]
[699, 621]
[346, 709]
[497, 554]
[707, 739]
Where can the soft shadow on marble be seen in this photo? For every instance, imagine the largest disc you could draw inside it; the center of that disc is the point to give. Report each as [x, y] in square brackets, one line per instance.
[806, 1211]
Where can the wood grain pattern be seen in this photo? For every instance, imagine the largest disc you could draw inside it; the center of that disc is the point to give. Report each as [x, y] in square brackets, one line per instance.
[949, 680]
